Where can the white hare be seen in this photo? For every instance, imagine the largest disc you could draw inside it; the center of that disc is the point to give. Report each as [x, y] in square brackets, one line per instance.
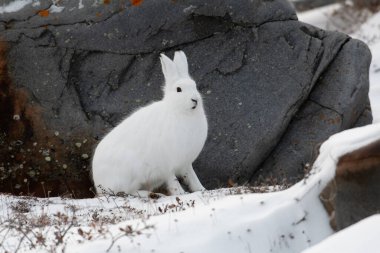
[157, 143]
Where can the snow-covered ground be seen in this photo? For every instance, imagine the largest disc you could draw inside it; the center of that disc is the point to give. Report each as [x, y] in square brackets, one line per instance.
[360, 237]
[225, 220]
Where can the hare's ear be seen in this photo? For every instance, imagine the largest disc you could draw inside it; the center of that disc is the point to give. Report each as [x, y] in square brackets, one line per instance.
[168, 69]
[180, 61]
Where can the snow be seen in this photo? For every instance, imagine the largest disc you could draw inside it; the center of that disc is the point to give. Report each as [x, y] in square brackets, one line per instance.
[80, 4]
[319, 17]
[223, 220]
[17, 5]
[14, 6]
[56, 9]
[370, 33]
[360, 237]
[36, 3]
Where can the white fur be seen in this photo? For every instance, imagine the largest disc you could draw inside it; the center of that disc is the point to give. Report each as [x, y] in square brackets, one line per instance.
[157, 143]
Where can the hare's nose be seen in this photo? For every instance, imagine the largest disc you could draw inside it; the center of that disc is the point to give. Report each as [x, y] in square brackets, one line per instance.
[195, 103]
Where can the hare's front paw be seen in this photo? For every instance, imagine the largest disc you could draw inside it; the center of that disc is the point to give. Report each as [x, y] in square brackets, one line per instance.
[174, 187]
[191, 180]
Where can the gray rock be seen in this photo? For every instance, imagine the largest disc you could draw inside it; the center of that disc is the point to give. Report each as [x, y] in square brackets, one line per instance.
[365, 118]
[255, 64]
[335, 104]
[356, 191]
[357, 185]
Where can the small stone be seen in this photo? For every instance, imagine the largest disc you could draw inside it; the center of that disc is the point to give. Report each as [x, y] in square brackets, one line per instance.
[45, 152]
[19, 142]
[16, 117]
[56, 133]
[48, 158]
[208, 92]
[64, 166]
[78, 144]
[32, 173]
[84, 156]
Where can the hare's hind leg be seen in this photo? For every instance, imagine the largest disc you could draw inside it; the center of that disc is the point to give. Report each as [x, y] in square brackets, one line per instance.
[173, 186]
[191, 180]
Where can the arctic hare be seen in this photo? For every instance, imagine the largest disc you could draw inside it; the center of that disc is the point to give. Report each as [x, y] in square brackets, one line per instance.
[157, 143]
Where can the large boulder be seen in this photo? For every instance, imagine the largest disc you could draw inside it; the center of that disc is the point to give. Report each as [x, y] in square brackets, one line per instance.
[273, 87]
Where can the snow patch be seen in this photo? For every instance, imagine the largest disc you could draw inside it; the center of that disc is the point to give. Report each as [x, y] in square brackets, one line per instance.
[80, 4]
[36, 3]
[319, 17]
[14, 6]
[360, 237]
[56, 9]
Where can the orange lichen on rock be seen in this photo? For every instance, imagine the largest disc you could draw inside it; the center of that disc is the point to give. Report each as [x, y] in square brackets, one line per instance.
[106, 1]
[136, 2]
[44, 13]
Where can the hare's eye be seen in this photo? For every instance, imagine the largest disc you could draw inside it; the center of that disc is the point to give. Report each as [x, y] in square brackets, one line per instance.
[179, 89]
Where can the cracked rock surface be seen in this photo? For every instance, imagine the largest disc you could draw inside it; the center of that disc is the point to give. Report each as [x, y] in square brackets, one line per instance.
[273, 87]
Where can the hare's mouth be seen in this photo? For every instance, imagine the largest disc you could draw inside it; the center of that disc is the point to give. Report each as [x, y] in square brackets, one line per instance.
[195, 103]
